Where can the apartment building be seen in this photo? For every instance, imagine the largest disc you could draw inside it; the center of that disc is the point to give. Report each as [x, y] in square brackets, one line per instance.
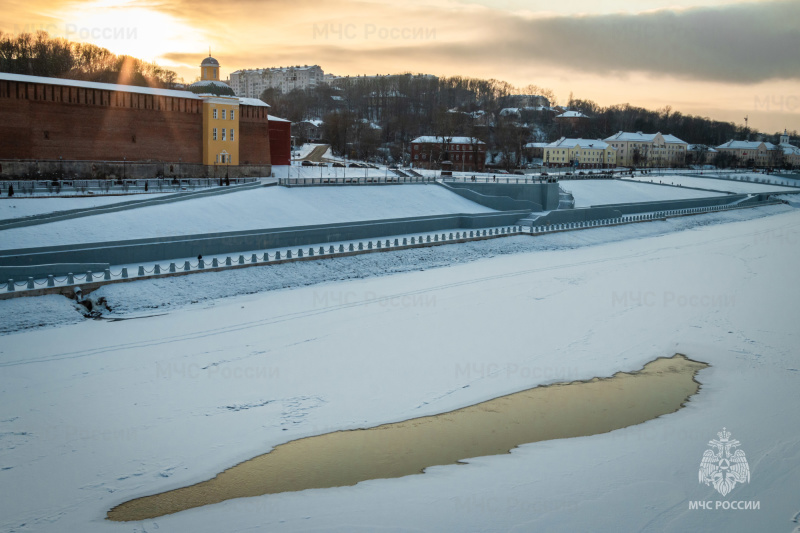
[580, 153]
[251, 83]
[648, 149]
[753, 153]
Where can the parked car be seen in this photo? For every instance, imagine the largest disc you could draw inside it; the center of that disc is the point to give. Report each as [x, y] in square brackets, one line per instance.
[518, 172]
[338, 165]
[308, 164]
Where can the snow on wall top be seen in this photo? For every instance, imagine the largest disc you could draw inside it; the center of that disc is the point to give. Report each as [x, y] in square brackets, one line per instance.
[96, 85]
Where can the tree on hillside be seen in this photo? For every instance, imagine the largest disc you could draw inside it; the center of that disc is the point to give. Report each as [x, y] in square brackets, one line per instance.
[40, 54]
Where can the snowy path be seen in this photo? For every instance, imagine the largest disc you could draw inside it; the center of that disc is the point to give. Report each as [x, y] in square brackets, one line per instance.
[729, 185]
[600, 192]
[25, 207]
[101, 412]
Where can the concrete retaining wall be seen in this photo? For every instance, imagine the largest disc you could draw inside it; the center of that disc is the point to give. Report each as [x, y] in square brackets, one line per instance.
[543, 194]
[69, 170]
[617, 210]
[500, 203]
[665, 205]
[159, 249]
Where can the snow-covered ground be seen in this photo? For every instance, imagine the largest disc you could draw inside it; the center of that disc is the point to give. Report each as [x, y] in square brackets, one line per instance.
[19, 207]
[729, 185]
[303, 151]
[754, 177]
[96, 413]
[268, 207]
[600, 192]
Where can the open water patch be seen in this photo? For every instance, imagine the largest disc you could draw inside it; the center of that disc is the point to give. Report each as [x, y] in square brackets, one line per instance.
[493, 427]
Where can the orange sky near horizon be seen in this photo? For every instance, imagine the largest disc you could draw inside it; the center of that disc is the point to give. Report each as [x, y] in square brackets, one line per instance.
[725, 59]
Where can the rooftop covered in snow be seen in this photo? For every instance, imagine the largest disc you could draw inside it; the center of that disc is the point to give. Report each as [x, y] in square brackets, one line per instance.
[449, 140]
[625, 136]
[564, 142]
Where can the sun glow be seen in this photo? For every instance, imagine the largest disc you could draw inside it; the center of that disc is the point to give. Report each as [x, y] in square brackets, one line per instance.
[132, 28]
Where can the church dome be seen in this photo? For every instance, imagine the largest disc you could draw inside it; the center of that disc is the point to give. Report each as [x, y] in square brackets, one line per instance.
[209, 62]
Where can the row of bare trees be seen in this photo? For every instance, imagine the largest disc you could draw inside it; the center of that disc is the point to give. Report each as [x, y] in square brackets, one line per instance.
[375, 117]
[39, 54]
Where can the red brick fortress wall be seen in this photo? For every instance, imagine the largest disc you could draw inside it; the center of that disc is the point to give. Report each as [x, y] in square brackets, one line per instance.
[280, 136]
[254, 135]
[50, 121]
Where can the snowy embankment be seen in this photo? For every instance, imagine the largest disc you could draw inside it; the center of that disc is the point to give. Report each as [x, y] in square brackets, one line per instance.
[170, 293]
[268, 207]
[729, 185]
[20, 207]
[755, 177]
[600, 192]
[97, 413]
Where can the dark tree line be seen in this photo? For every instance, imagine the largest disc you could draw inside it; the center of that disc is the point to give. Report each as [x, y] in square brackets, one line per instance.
[406, 106]
[373, 117]
[39, 54]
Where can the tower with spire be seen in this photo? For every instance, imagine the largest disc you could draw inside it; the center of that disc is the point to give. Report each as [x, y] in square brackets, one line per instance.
[209, 68]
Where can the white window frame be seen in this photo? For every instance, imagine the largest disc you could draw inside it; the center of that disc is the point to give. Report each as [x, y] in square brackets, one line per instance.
[232, 135]
[215, 112]
[223, 114]
[214, 135]
[223, 134]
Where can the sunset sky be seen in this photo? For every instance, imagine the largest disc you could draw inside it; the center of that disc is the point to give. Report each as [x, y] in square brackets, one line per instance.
[725, 59]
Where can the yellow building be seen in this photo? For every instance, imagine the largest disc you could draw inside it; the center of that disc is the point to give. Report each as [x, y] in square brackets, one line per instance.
[220, 130]
[648, 149]
[209, 69]
[753, 153]
[220, 116]
[580, 153]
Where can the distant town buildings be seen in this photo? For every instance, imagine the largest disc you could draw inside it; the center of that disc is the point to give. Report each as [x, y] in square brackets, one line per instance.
[535, 150]
[791, 153]
[753, 153]
[571, 118]
[648, 149]
[251, 83]
[700, 154]
[308, 130]
[580, 153]
[467, 154]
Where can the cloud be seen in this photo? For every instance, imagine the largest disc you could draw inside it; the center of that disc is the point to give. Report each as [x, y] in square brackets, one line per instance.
[738, 43]
[741, 43]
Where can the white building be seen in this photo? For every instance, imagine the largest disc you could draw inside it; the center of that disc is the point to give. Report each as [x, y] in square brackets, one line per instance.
[791, 153]
[251, 83]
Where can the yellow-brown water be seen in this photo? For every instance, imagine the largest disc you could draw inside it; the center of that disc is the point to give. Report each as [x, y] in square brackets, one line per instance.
[558, 411]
